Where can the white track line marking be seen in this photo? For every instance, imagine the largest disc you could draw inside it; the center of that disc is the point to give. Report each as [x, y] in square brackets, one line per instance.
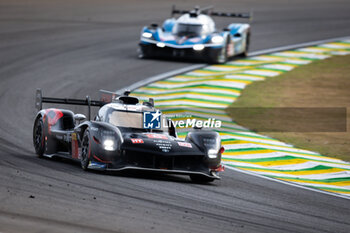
[288, 183]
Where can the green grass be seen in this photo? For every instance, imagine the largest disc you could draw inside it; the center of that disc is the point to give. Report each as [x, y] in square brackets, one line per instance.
[321, 84]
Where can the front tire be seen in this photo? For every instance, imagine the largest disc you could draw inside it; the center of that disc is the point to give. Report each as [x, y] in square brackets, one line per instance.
[39, 137]
[144, 52]
[247, 42]
[222, 56]
[85, 150]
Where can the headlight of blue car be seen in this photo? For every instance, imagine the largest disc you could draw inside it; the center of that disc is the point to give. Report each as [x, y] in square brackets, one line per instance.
[147, 35]
[217, 39]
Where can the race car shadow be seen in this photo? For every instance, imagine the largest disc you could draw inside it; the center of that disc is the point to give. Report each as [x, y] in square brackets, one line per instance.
[133, 174]
[147, 175]
[174, 59]
[187, 60]
[153, 175]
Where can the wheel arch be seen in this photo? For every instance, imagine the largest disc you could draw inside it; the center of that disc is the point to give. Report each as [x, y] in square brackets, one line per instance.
[82, 128]
[206, 140]
[39, 115]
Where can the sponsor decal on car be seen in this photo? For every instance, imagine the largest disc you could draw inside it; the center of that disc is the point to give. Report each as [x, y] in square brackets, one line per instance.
[195, 40]
[157, 136]
[185, 144]
[163, 145]
[97, 165]
[136, 140]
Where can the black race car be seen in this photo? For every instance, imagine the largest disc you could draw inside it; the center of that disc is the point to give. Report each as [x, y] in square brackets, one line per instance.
[118, 139]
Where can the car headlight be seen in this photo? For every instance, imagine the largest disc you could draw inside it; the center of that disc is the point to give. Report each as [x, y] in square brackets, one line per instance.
[160, 44]
[217, 39]
[212, 144]
[147, 35]
[108, 144]
[212, 153]
[198, 47]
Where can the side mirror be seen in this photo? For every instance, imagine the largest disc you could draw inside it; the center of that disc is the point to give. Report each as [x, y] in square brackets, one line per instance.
[150, 103]
[79, 117]
[226, 30]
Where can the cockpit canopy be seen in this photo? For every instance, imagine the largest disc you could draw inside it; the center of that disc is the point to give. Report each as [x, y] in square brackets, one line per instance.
[127, 116]
[193, 26]
[125, 119]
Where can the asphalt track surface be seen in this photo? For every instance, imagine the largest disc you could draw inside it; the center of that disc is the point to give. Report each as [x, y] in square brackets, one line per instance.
[73, 48]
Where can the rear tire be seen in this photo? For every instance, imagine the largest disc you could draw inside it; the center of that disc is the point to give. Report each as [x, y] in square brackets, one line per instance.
[85, 150]
[201, 179]
[39, 137]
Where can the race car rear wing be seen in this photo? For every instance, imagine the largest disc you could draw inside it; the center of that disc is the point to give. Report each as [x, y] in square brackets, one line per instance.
[39, 100]
[234, 15]
[209, 11]
[105, 98]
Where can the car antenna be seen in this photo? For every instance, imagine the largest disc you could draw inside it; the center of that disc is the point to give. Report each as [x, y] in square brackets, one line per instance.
[127, 92]
[206, 10]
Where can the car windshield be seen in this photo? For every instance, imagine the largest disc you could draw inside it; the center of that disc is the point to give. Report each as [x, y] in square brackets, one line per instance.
[128, 119]
[181, 29]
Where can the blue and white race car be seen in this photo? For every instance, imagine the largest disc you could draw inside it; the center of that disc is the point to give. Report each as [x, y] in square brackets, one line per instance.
[193, 35]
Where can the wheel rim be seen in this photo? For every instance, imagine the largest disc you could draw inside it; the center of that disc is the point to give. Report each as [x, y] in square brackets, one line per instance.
[85, 150]
[38, 136]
